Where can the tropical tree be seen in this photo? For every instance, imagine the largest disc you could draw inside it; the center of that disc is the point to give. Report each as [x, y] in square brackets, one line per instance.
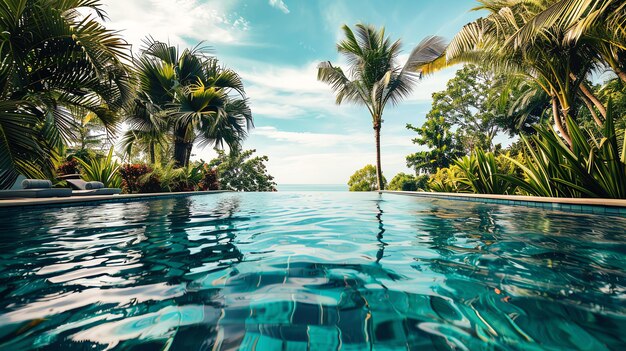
[190, 96]
[240, 171]
[366, 179]
[374, 77]
[548, 58]
[443, 144]
[54, 59]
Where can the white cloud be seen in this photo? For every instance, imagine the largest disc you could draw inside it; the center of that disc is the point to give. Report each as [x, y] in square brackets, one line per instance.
[326, 140]
[287, 92]
[279, 4]
[177, 21]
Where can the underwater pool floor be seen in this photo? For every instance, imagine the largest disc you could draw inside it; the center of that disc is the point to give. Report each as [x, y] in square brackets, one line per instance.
[310, 271]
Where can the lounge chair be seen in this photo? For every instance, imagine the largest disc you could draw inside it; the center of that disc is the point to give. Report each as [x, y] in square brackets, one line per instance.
[35, 188]
[83, 188]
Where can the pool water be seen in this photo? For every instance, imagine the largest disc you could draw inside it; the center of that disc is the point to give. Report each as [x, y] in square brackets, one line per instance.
[310, 271]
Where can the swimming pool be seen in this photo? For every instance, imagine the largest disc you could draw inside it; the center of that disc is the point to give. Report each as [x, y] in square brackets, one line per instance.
[319, 271]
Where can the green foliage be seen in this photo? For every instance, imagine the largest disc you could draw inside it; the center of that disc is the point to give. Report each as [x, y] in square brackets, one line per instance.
[469, 104]
[408, 182]
[54, 60]
[482, 174]
[365, 179]
[101, 169]
[593, 167]
[240, 171]
[448, 180]
[435, 133]
[185, 98]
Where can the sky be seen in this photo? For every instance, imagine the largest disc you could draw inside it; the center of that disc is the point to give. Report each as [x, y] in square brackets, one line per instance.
[276, 45]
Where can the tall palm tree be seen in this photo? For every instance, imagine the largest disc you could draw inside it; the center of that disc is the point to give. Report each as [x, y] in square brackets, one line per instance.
[374, 77]
[53, 60]
[189, 95]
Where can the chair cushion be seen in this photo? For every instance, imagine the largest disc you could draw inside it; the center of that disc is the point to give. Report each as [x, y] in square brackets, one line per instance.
[94, 185]
[34, 193]
[36, 184]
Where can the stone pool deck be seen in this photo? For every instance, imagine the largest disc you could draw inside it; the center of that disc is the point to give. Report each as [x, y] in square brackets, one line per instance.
[87, 200]
[586, 205]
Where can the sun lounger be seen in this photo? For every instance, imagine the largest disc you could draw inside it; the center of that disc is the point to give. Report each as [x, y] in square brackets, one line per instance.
[35, 188]
[83, 188]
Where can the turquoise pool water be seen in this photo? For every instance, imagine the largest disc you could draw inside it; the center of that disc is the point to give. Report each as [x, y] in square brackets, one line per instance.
[310, 271]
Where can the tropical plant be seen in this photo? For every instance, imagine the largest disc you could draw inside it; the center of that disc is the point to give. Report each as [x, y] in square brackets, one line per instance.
[592, 167]
[101, 169]
[54, 59]
[408, 182]
[436, 134]
[448, 180]
[365, 179]
[132, 175]
[515, 39]
[240, 171]
[481, 174]
[374, 78]
[189, 95]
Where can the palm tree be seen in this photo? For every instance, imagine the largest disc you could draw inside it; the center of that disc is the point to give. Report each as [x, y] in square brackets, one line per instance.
[374, 77]
[560, 67]
[599, 24]
[189, 95]
[54, 60]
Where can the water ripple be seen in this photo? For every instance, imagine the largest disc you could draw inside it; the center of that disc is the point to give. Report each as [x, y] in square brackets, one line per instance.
[312, 271]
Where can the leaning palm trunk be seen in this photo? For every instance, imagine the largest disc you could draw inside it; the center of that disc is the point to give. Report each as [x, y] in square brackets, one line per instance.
[558, 123]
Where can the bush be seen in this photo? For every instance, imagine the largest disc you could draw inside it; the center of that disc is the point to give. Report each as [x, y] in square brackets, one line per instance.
[365, 179]
[101, 169]
[448, 180]
[592, 167]
[68, 167]
[131, 177]
[209, 180]
[483, 175]
[408, 182]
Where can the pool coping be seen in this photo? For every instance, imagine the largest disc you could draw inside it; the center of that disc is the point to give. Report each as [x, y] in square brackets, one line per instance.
[86, 200]
[579, 205]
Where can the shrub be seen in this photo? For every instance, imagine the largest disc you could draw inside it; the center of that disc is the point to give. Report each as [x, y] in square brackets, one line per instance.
[481, 173]
[209, 180]
[365, 179]
[592, 167]
[101, 169]
[408, 182]
[68, 167]
[448, 180]
[131, 176]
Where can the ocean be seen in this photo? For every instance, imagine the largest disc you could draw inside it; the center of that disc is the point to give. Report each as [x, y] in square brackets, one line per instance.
[312, 187]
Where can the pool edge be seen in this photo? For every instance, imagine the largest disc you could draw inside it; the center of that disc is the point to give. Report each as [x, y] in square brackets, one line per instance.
[87, 200]
[578, 205]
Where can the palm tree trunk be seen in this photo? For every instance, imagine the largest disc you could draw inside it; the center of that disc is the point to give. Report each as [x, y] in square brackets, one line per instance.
[152, 154]
[591, 109]
[180, 147]
[379, 172]
[188, 157]
[587, 92]
[621, 74]
[557, 122]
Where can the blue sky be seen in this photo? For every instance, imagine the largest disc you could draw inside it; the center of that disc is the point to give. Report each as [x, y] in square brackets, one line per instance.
[275, 45]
